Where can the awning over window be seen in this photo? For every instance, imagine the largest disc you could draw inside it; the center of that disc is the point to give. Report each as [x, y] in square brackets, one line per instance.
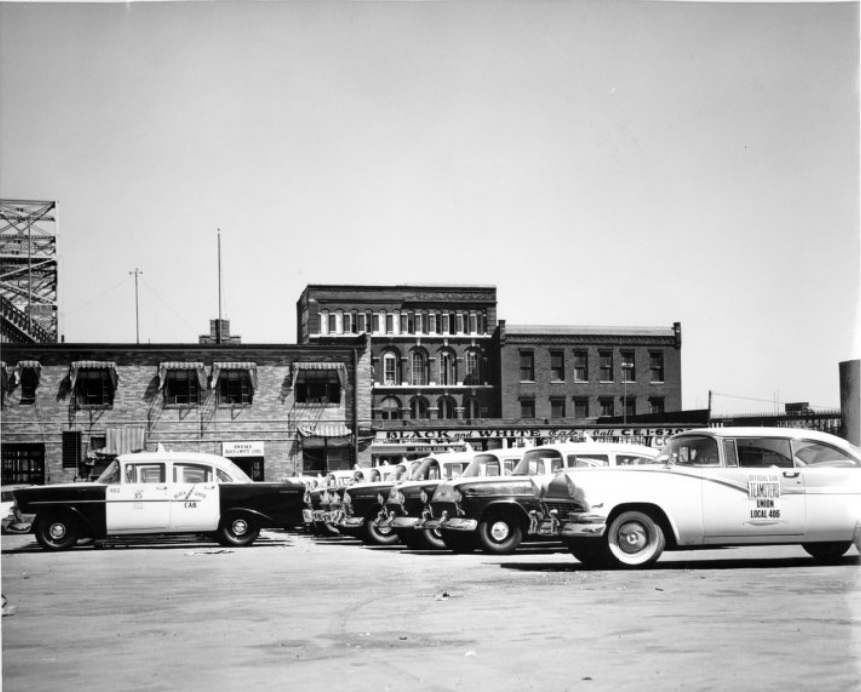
[79, 365]
[27, 365]
[167, 366]
[250, 367]
[339, 368]
[124, 440]
[324, 430]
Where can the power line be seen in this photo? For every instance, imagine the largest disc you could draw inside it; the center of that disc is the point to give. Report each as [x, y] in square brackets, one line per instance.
[98, 297]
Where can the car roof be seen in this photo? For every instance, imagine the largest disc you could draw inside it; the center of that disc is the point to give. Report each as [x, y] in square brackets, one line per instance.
[762, 431]
[596, 446]
[200, 457]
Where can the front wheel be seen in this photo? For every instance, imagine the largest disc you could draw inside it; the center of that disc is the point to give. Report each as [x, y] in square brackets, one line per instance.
[56, 532]
[378, 535]
[431, 539]
[499, 534]
[238, 531]
[634, 539]
[827, 552]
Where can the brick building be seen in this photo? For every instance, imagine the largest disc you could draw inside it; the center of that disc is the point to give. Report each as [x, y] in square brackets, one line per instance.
[276, 410]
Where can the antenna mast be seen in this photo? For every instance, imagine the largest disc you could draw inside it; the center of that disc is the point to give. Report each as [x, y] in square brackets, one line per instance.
[218, 328]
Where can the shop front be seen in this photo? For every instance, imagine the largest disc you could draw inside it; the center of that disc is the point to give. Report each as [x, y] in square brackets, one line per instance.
[326, 447]
[249, 456]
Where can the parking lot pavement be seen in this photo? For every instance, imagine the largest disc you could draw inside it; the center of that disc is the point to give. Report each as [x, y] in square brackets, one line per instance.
[297, 612]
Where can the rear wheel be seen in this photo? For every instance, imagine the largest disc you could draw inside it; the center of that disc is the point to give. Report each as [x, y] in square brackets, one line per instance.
[431, 539]
[459, 542]
[827, 552]
[56, 532]
[499, 533]
[634, 539]
[238, 530]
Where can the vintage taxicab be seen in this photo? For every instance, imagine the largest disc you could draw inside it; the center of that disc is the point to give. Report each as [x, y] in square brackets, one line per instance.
[318, 499]
[496, 514]
[715, 487]
[408, 505]
[162, 493]
[361, 504]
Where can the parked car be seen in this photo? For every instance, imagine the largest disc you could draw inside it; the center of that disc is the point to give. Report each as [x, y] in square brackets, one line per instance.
[496, 514]
[715, 487]
[361, 504]
[162, 493]
[408, 505]
[317, 499]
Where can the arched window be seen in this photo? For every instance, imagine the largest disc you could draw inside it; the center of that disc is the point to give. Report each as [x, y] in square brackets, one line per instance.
[447, 368]
[446, 407]
[419, 408]
[471, 408]
[472, 375]
[389, 409]
[419, 368]
[391, 376]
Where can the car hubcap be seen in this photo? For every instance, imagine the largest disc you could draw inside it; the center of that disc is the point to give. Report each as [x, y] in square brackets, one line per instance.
[499, 531]
[633, 538]
[58, 531]
[240, 527]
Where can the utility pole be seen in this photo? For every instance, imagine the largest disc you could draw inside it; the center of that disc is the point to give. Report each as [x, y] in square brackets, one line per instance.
[218, 326]
[137, 272]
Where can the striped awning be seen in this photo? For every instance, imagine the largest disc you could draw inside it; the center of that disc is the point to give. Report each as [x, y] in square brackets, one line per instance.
[339, 368]
[79, 365]
[324, 430]
[27, 365]
[124, 440]
[166, 366]
[251, 368]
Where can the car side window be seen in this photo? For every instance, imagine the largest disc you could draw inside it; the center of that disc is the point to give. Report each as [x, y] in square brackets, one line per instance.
[694, 451]
[191, 473]
[492, 468]
[764, 452]
[145, 473]
[588, 460]
[222, 476]
[809, 453]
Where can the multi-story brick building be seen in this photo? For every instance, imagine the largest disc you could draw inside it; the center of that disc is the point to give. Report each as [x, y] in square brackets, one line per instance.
[276, 410]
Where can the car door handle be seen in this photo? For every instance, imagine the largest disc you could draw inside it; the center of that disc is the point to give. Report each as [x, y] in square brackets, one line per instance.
[791, 474]
[161, 487]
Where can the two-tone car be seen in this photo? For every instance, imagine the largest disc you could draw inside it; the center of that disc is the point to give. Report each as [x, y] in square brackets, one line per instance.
[712, 487]
[317, 498]
[408, 505]
[496, 514]
[162, 493]
[361, 505]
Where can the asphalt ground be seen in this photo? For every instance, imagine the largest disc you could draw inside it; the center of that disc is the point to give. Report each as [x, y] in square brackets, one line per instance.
[295, 612]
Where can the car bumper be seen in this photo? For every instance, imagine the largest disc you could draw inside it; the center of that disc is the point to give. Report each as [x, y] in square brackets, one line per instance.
[459, 524]
[404, 522]
[584, 526]
[353, 522]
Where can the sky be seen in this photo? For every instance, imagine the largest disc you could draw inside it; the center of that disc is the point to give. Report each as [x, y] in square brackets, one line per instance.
[617, 163]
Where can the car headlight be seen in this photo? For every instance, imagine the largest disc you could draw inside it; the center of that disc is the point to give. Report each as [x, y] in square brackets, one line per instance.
[423, 496]
[381, 499]
[396, 497]
[348, 499]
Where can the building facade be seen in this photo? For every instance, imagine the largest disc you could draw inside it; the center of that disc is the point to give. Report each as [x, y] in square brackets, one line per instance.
[277, 411]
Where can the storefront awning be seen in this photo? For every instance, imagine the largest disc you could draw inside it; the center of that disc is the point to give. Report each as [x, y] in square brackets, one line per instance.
[338, 368]
[240, 365]
[79, 365]
[27, 365]
[124, 440]
[167, 366]
[324, 430]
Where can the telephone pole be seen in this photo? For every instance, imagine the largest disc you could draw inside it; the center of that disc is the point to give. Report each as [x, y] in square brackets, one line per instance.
[137, 272]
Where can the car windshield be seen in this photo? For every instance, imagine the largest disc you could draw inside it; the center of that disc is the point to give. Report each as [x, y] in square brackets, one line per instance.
[691, 451]
[539, 461]
[110, 474]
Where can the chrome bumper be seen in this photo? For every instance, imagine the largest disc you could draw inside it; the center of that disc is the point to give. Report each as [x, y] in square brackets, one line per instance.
[584, 526]
[404, 522]
[353, 522]
[459, 524]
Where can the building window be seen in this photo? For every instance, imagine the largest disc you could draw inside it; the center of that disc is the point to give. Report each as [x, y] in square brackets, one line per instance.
[420, 323]
[445, 324]
[432, 323]
[28, 375]
[630, 405]
[460, 327]
[446, 408]
[94, 386]
[419, 370]
[473, 323]
[181, 387]
[605, 366]
[24, 464]
[471, 408]
[628, 372]
[656, 404]
[333, 323]
[473, 368]
[557, 366]
[527, 366]
[447, 368]
[375, 323]
[581, 366]
[607, 407]
[557, 407]
[390, 323]
[581, 407]
[72, 441]
[234, 387]
[411, 323]
[360, 323]
[389, 409]
[419, 408]
[656, 366]
[390, 369]
[317, 387]
[348, 323]
[527, 408]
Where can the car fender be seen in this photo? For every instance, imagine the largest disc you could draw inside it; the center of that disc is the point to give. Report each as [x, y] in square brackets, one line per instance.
[87, 526]
[508, 505]
[264, 519]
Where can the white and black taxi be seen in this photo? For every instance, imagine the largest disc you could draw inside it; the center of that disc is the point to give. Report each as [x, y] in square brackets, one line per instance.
[162, 493]
[714, 487]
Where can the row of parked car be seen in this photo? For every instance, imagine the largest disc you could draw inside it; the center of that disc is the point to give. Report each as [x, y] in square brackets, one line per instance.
[610, 504]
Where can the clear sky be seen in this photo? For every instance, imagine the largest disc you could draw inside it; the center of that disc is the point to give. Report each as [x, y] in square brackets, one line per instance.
[600, 162]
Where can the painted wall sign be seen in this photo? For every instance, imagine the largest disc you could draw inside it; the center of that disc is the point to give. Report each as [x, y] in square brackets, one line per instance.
[242, 449]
